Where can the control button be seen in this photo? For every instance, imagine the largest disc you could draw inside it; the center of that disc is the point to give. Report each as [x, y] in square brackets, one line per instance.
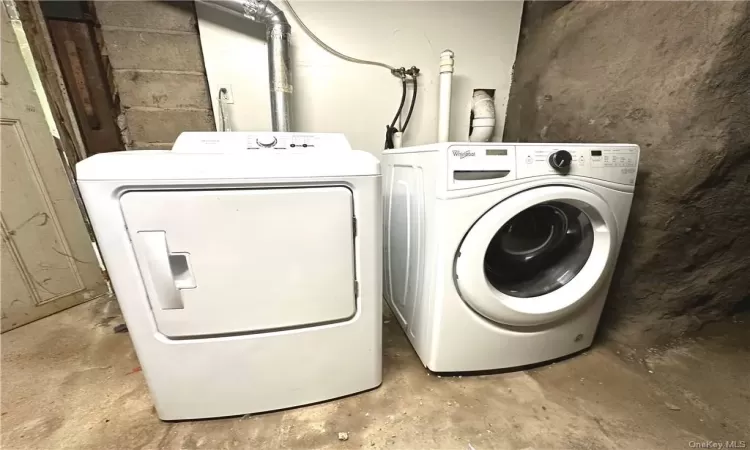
[266, 141]
[560, 160]
[529, 160]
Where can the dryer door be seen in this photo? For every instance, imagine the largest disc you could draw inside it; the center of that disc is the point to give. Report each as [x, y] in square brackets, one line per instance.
[536, 256]
[217, 262]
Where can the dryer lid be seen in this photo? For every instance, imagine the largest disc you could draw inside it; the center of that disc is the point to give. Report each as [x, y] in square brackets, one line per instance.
[252, 164]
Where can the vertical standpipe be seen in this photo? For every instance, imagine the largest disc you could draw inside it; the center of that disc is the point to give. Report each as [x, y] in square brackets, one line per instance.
[444, 108]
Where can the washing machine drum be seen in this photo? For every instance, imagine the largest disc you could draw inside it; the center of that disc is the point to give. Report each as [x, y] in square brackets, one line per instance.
[536, 256]
[539, 250]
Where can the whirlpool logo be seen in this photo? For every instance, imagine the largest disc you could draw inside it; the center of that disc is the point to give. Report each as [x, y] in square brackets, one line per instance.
[463, 154]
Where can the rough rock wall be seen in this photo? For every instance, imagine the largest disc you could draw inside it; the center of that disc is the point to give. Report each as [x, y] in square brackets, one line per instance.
[673, 77]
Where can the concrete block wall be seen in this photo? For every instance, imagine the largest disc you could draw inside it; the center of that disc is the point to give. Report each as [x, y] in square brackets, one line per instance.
[157, 70]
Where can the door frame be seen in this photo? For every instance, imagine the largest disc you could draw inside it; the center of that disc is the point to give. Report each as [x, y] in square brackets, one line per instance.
[35, 33]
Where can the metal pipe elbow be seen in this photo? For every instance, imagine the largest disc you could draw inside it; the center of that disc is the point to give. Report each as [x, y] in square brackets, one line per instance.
[266, 12]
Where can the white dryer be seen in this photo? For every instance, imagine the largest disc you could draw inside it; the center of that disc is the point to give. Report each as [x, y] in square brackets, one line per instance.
[247, 266]
[500, 255]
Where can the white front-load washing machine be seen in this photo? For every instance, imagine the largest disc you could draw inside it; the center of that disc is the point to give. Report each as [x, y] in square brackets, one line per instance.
[247, 266]
[500, 255]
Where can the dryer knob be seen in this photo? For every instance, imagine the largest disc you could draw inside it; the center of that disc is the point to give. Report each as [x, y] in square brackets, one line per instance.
[560, 160]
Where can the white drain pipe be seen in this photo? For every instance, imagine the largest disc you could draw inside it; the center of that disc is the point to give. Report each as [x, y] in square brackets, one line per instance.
[398, 139]
[444, 108]
[483, 125]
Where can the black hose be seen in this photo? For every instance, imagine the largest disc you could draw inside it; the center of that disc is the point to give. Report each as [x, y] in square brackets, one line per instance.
[390, 130]
[413, 102]
[401, 105]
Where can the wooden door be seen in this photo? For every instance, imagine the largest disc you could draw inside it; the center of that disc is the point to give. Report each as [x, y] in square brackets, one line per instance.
[47, 262]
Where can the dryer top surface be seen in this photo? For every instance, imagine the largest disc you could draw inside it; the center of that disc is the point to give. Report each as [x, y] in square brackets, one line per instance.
[251, 164]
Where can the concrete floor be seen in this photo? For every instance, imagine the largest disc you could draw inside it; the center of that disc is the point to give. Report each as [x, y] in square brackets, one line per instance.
[68, 381]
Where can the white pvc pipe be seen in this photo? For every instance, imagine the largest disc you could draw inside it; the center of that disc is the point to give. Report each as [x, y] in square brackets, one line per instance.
[483, 125]
[444, 111]
[398, 139]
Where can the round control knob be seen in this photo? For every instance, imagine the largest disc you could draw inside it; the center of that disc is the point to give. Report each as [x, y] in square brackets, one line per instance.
[266, 141]
[560, 160]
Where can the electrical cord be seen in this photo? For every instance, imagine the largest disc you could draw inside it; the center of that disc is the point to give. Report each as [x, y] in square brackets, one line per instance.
[331, 50]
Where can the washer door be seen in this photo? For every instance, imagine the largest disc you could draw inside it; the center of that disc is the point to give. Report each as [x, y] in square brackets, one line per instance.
[536, 256]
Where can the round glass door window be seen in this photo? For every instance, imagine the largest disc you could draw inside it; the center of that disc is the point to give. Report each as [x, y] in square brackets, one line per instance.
[539, 250]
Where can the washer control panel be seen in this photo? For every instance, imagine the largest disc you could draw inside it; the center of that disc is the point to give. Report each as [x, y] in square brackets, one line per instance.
[617, 163]
[202, 142]
[474, 164]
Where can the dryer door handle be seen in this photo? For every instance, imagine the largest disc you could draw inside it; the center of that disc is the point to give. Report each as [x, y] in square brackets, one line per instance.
[153, 257]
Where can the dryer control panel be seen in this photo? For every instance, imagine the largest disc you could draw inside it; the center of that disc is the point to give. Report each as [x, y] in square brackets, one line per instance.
[203, 142]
